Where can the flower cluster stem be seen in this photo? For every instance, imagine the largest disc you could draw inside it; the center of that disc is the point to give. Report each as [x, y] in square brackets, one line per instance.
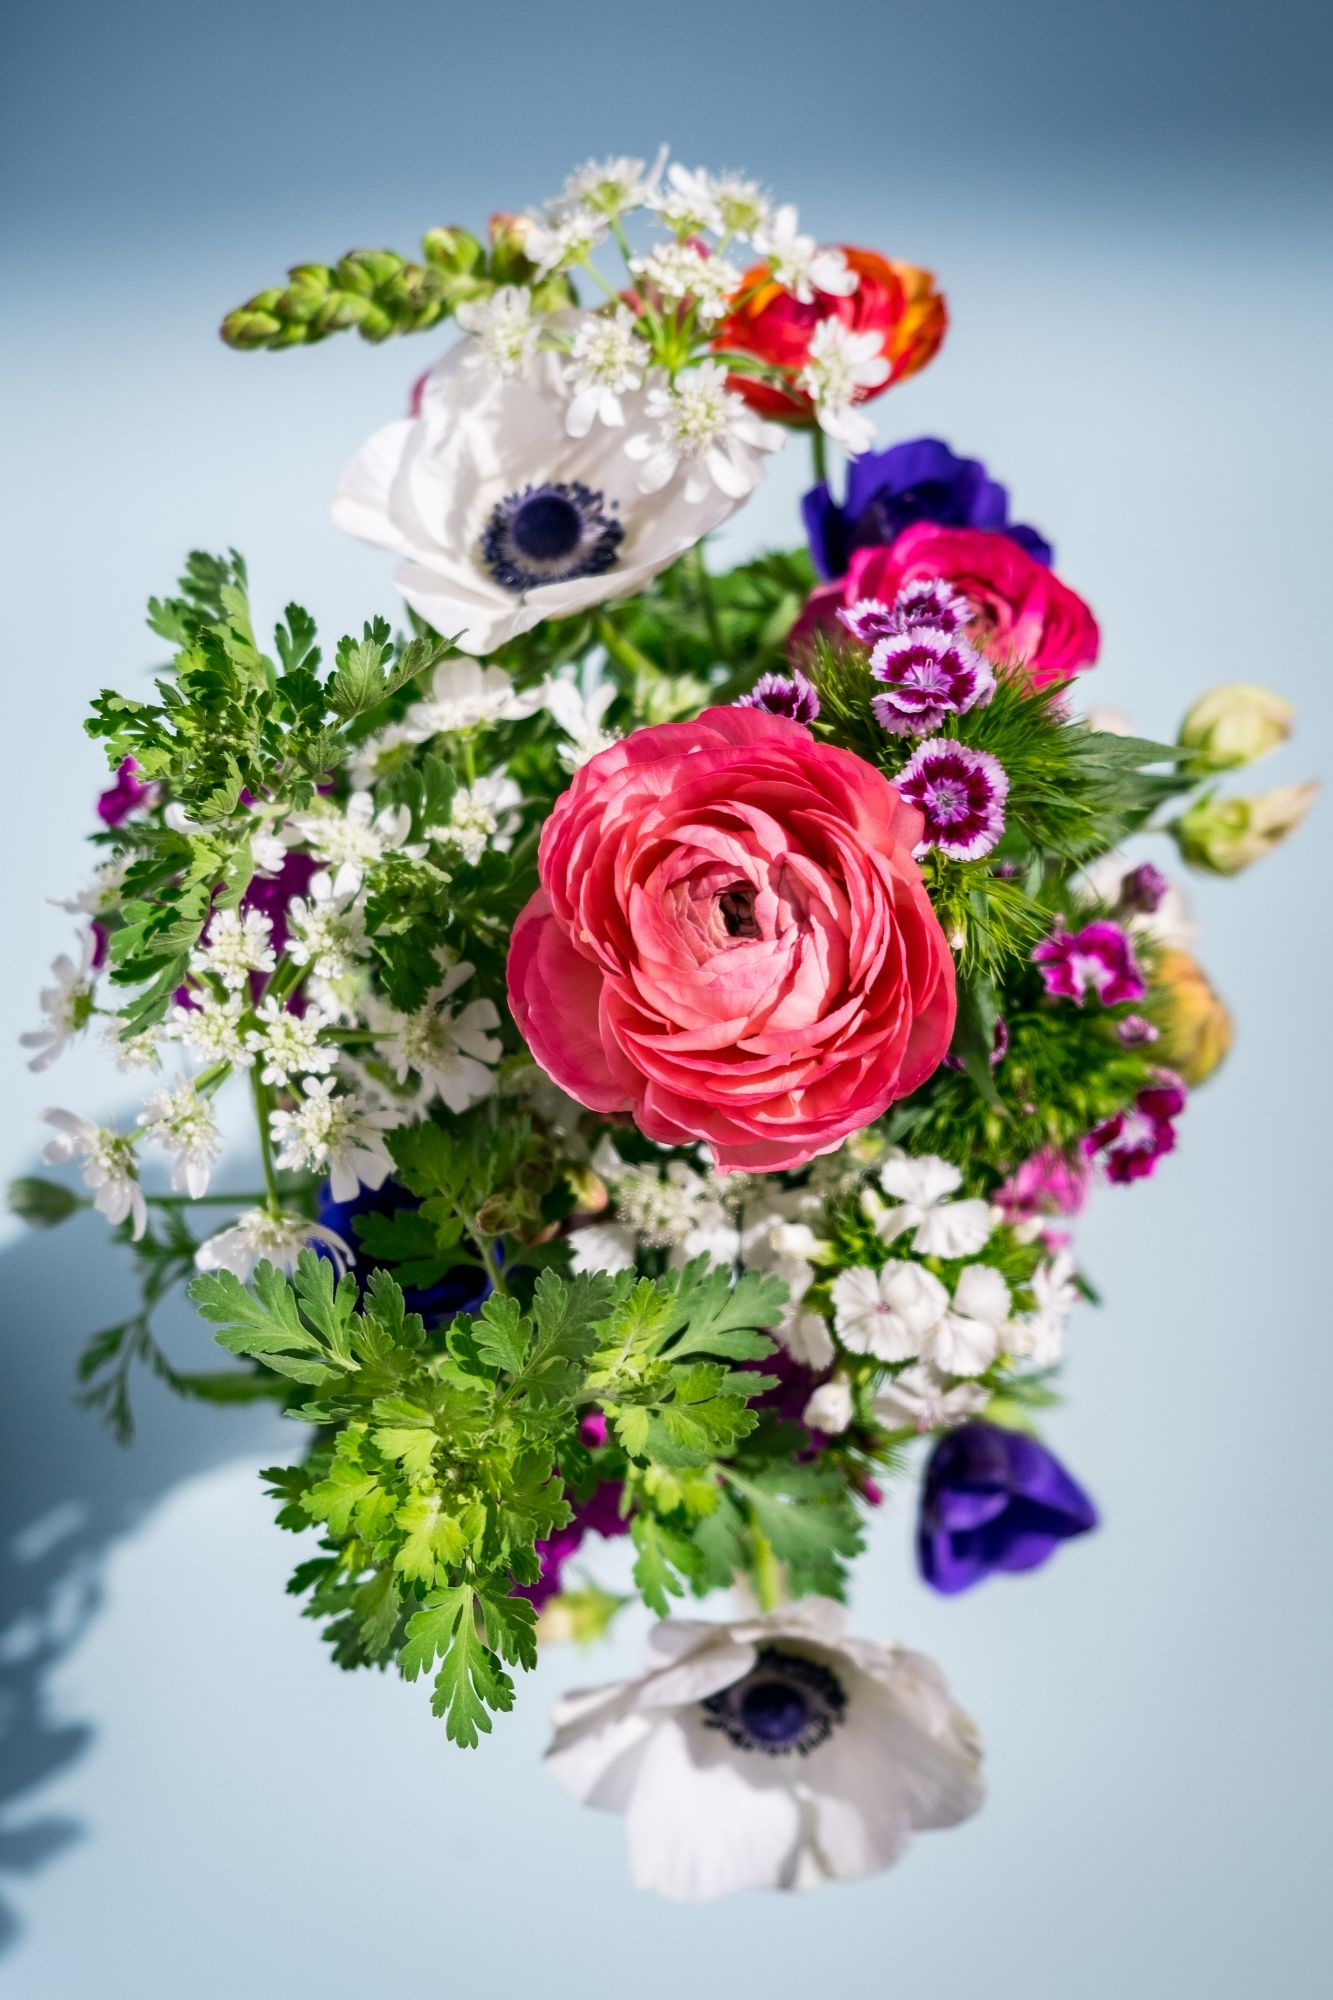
[263, 1105]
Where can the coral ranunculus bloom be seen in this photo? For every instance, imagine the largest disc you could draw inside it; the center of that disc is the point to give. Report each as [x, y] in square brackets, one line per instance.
[732, 941]
[898, 301]
[1022, 611]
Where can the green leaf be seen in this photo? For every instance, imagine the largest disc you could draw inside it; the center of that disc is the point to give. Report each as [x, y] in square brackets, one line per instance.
[470, 1680]
[502, 1334]
[263, 1322]
[665, 1559]
[433, 1540]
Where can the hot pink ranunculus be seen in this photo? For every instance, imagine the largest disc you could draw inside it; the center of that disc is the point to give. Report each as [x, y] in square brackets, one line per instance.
[1022, 610]
[732, 941]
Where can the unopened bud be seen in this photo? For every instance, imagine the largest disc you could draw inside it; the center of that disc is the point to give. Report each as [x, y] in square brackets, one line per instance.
[1225, 835]
[452, 250]
[41, 1203]
[1235, 725]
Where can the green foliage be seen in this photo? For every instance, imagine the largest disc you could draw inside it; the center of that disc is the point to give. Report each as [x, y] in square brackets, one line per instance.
[442, 1459]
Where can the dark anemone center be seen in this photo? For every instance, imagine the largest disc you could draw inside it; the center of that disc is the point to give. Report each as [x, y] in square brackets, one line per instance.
[774, 1712]
[737, 907]
[546, 526]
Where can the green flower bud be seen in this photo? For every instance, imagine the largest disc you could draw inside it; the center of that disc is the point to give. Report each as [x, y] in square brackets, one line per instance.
[1225, 835]
[255, 323]
[452, 250]
[583, 1616]
[41, 1203]
[1235, 725]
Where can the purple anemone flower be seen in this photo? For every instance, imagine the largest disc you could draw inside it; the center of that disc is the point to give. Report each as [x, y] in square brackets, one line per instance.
[1131, 1143]
[928, 673]
[783, 694]
[1099, 959]
[126, 792]
[960, 794]
[887, 491]
[994, 1500]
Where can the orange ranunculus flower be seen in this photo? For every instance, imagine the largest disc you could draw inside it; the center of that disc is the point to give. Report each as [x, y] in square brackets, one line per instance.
[898, 300]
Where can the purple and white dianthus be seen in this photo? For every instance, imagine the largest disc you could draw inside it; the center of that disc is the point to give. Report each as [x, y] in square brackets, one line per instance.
[868, 620]
[1142, 890]
[1132, 1142]
[960, 794]
[1099, 959]
[928, 673]
[929, 600]
[783, 694]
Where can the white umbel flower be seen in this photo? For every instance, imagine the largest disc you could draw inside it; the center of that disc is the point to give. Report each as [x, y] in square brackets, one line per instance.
[504, 333]
[614, 186]
[449, 1050]
[969, 1336]
[326, 931]
[889, 1313]
[704, 434]
[236, 943]
[555, 242]
[727, 203]
[67, 1004]
[481, 815]
[131, 1052]
[606, 360]
[108, 1163]
[770, 1752]
[182, 1123]
[211, 1030]
[842, 362]
[685, 271]
[350, 839]
[940, 1227]
[579, 720]
[922, 1399]
[259, 1235]
[464, 695]
[287, 1045]
[800, 265]
[500, 518]
[334, 1133]
[102, 894]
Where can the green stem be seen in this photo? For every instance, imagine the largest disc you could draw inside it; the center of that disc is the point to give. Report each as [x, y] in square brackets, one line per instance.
[486, 1245]
[621, 649]
[764, 1571]
[263, 1105]
[202, 1200]
[705, 583]
[819, 455]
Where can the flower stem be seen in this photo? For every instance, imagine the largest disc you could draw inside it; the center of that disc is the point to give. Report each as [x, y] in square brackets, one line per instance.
[622, 650]
[764, 1571]
[198, 1200]
[486, 1245]
[819, 455]
[263, 1105]
[705, 583]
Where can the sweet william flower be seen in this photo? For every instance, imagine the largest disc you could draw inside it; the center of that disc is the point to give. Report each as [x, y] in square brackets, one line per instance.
[501, 519]
[960, 794]
[579, 719]
[1022, 615]
[928, 673]
[969, 1336]
[922, 1399]
[783, 694]
[1097, 960]
[889, 1313]
[897, 302]
[125, 795]
[830, 1407]
[923, 1189]
[994, 1500]
[732, 942]
[1132, 1142]
[771, 1752]
[887, 491]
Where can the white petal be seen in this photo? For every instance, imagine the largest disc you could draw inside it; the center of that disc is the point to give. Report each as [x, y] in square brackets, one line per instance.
[954, 1229]
[699, 1825]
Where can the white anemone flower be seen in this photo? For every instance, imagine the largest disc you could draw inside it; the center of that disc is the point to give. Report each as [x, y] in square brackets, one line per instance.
[840, 363]
[606, 360]
[769, 1752]
[183, 1124]
[579, 720]
[67, 1004]
[799, 264]
[971, 1334]
[464, 695]
[922, 1399]
[501, 519]
[704, 434]
[890, 1313]
[259, 1234]
[107, 1160]
[504, 333]
[940, 1227]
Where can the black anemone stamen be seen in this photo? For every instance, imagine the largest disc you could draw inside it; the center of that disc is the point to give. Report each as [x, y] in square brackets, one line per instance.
[787, 1704]
[550, 533]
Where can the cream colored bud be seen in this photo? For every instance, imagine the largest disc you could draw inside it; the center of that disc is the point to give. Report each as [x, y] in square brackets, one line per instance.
[1236, 725]
[1226, 835]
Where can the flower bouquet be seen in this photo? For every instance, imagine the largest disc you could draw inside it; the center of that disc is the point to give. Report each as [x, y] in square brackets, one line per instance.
[680, 1009]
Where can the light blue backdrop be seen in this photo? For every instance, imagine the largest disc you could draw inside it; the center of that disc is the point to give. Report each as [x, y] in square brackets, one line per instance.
[1126, 205]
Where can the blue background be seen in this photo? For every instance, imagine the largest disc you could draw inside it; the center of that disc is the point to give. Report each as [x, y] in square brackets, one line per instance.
[1128, 208]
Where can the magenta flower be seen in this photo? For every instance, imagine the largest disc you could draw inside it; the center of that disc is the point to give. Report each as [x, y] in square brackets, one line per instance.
[124, 794]
[928, 673]
[1046, 1183]
[1142, 890]
[1135, 1030]
[1099, 959]
[960, 794]
[783, 694]
[869, 620]
[929, 600]
[1134, 1141]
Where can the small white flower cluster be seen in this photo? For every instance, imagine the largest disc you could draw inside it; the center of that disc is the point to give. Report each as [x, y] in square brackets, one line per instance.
[902, 1312]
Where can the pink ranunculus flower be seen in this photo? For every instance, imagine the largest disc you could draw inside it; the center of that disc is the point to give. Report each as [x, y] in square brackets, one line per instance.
[1021, 610]
[732, 941]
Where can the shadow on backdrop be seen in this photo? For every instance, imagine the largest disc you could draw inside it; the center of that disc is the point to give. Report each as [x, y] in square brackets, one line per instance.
[70, 1492]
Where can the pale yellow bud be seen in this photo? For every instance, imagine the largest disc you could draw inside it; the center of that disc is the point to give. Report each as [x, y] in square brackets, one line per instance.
[1195, 1024]
[1226, 835]
[1235, 725]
